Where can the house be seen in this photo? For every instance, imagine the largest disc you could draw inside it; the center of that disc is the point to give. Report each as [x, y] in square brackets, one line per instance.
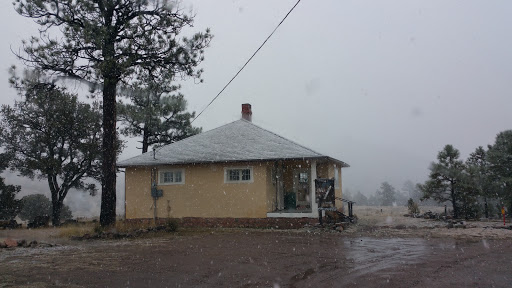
[238, 170]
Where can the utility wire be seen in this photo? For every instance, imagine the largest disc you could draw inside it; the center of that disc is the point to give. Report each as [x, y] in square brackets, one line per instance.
[254, 54]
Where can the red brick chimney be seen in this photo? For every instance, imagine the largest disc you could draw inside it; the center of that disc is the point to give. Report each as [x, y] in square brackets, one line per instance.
[247, 112]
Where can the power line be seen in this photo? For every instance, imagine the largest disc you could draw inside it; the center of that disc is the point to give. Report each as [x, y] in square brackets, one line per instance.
[254, 54]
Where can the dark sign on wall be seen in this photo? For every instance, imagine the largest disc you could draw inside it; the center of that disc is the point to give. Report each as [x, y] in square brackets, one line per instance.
[324, 192]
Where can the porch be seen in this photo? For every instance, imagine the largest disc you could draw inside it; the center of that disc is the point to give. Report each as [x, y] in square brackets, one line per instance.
[292, 193]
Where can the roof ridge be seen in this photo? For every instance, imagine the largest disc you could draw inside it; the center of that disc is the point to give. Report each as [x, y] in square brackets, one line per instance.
[307, 148]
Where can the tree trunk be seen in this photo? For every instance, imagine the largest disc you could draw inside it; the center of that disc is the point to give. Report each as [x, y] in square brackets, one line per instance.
[108, 185]
[145, 138]
[455, 209]
[54, 190]
[56, 207]
[454, 202]
[486, 208]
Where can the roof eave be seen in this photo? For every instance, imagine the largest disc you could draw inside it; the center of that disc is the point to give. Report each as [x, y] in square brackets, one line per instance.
[341, 163]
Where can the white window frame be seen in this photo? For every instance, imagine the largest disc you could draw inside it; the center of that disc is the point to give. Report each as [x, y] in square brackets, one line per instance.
[161, 180]
[226, 175]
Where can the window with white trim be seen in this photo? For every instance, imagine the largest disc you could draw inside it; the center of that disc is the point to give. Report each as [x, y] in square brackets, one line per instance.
[303, 177]
[238, 175]
[171, 176]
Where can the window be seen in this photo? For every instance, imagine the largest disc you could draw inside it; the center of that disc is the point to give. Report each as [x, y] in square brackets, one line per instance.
[168, 177]
[238, 175]
[246, 174]
[303, 177]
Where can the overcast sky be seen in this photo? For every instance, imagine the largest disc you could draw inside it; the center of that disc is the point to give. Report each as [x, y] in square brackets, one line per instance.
[381, 85]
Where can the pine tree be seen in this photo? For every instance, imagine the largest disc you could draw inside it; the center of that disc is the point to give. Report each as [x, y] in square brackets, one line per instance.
[157, 115]
[412, 191]
[51, 135]
[108, 43]
[445, 179]
[469, 193]
[480, 177]
[386, 194]
[360, 199]
[500, 160]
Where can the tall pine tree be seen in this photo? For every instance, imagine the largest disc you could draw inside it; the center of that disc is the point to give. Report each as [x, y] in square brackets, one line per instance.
[480, 179]
[109, 43]
[386, 194]
[500, 160]
[446, 179]
[157, 115]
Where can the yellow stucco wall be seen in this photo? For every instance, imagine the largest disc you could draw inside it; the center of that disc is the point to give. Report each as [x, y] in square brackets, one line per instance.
[137, 193]
[322, 170]
[204, 193]
[338, 190]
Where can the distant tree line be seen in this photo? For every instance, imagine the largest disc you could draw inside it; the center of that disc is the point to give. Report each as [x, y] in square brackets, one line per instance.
[477, 187]
[388, 195]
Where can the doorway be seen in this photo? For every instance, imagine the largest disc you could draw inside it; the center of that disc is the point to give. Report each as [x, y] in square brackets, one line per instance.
[301, 187]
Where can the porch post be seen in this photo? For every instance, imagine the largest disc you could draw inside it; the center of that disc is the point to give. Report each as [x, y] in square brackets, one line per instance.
[280, 186]
[314, 205]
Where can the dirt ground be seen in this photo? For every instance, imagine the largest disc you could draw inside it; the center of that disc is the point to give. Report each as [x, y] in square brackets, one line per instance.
[391, 222]
[384, 250]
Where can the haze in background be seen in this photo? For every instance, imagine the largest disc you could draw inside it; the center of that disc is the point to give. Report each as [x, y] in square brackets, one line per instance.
[381, 86]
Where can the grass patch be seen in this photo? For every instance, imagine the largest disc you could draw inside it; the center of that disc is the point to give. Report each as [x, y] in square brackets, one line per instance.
[130, 226]
[76, 229]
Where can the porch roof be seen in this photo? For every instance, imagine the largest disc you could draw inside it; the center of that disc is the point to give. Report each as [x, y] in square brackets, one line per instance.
[239, 141]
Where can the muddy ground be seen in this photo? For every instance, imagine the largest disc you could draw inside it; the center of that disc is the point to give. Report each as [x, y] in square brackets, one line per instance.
[378, 252]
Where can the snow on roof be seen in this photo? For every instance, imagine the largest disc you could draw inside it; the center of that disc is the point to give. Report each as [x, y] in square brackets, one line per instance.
[237, 141]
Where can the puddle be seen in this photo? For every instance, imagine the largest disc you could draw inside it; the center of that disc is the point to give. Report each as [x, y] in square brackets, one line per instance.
[370, 255]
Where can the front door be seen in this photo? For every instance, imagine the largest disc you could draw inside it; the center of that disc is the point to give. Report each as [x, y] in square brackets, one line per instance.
[301, 187]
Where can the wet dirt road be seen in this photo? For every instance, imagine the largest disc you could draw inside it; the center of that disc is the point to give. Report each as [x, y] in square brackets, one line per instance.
[254, 258]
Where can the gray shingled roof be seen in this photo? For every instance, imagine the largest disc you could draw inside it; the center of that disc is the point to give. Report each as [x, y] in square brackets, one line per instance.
[237, 141]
